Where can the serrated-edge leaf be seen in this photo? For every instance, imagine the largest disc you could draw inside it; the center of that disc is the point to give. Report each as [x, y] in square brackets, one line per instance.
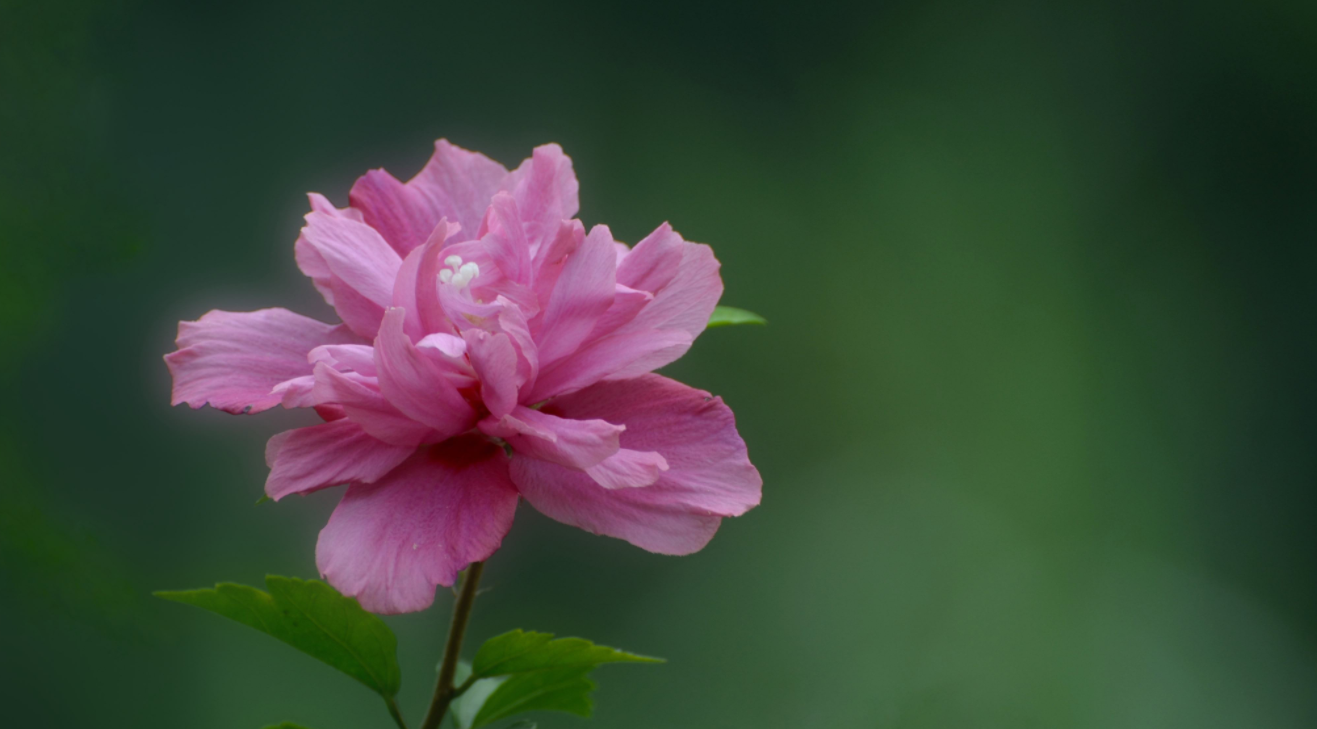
[566, 689]
[519, 651]
[319, 607]
[730, 315]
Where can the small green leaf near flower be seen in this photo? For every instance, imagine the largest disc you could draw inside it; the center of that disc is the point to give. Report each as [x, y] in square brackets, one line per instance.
[313, 618]
[542, 673]
[728, 315]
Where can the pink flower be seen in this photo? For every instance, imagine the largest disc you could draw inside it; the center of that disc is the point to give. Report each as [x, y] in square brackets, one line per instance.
[490, 349]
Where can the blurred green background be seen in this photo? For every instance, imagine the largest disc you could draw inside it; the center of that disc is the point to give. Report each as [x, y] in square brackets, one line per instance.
[1035, 410]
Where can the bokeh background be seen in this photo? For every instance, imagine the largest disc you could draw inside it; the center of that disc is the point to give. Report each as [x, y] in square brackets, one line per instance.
[1035, 409]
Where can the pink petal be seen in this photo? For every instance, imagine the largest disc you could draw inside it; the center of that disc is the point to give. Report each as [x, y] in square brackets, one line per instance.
[351, 260]
[582, 294]
[389, 544]
[617, 356]
[333, 453]
[358, 358]
[573, 443]
[628, 469]
[415, 383]
[709, 473]
[233, 360]
[506, 241]
[686, 300]
[495, 361]
[416, 287]
[545, 188]
[458, 184]
[360, 398]
[654, 262]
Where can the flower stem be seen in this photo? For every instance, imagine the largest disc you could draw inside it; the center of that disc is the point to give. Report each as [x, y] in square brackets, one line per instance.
[444, 691]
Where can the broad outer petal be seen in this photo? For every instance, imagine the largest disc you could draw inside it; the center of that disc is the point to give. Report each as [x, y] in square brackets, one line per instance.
[389, 544]
[329, 454]
[709, 473]
[233, 360]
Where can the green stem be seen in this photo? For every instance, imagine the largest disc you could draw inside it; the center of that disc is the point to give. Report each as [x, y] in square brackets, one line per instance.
[444, 691]
[393, 712]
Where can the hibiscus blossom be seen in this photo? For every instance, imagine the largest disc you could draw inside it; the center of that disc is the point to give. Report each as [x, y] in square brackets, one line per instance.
[490, 350]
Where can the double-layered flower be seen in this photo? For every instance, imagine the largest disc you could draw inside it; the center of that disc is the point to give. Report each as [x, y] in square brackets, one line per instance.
[490, 350]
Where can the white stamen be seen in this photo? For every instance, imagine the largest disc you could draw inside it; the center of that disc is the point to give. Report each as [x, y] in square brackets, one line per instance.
[464, 275]
[453, 261]
[445, 276]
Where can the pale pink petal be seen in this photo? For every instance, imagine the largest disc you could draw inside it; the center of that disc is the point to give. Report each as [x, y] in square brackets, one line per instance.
[415, 383]
[582, 294]
[494, 359]
[546, 191]
[709, 473]
[233, 360]
[628, 469]
[389, 544]
[351, 260]
[329, 454]
[360, 399]
[575, 443]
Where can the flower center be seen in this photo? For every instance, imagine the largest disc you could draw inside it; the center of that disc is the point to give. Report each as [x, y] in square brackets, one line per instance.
[459, 274]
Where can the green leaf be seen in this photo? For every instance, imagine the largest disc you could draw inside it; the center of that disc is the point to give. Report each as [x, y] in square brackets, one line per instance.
[285, 725]
[264, 498]
[560, 689]
[313, 618]
[520, 651]
[544, 674]
[729, 315]
[466, 706]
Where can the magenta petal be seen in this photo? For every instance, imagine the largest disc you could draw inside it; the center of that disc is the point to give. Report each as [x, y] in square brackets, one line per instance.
[233, 360]
[325, 455]
[415, 383]
[709, 473]
[389, 544]
[568, 442]
[582, 294]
